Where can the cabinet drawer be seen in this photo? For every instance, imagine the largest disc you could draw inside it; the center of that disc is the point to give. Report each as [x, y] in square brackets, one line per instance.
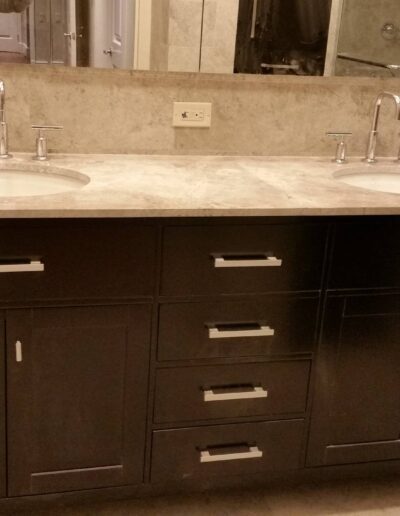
[221, 450]
[78, 260]
[231, 391]
[366, 255]
[279, 324]
[242, 259]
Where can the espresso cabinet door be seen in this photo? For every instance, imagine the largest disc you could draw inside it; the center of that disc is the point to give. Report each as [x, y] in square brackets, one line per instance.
[76, 389]
[356, 411]
[2, 409]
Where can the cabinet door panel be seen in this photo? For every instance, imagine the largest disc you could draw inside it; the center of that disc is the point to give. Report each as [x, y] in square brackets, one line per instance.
[366, 254]
[77, 398]
[2, 409]
[190, 256]
[184, 328]
[80, 260]
[176, 454]
[356, 413]
[180, 391]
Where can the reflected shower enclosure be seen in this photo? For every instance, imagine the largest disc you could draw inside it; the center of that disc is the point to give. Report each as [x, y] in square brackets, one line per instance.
[285, 36]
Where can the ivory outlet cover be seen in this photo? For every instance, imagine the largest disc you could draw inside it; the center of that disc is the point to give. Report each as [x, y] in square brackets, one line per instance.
[192, 114]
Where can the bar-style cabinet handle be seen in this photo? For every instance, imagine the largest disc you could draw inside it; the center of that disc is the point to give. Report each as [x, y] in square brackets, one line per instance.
[18, 351]
[32, 266]
[228, 262]
[254, 393]
[253, 453]
[220, 333]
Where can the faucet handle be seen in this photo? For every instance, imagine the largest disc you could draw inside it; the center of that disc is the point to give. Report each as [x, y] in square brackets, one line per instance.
[41, 141]
[341, 149]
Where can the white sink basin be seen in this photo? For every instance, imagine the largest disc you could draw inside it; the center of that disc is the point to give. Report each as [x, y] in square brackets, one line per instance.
[26, 180]
[380, 178]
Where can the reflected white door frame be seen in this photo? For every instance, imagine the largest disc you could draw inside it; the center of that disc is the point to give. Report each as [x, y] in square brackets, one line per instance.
[122, 33]
[70, 34]
[333, 37]
[10, 32]
[142, 41]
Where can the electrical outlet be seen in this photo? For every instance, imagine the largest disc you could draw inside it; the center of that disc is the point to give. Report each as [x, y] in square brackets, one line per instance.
[192, 114]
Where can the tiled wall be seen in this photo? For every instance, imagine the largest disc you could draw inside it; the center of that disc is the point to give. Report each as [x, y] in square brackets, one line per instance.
[181, 27]
[361, 36]
[114, 111]
[185, 18]
[176, 35]
[219, 36]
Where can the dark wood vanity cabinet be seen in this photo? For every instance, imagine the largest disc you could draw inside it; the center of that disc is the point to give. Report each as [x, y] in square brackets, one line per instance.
[3, 447]
[356, 411]
[366, 254]
[160, 351]
[76, 260]
[76, 397]
[78, 302]
[237, 327]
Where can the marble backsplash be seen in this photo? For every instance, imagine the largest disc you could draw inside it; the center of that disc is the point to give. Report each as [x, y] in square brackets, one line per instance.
[109, 111]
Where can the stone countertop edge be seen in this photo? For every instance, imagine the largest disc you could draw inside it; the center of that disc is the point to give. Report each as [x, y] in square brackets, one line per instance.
[139, 186]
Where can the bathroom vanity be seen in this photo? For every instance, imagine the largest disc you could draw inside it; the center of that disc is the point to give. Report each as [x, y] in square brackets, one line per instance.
[147, 353]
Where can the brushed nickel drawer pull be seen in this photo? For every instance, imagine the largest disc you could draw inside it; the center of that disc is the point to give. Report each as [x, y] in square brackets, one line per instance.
[256, 261]
[253, 453]
[18, 351]
[219, 333]
[32, 266]
[256, 392]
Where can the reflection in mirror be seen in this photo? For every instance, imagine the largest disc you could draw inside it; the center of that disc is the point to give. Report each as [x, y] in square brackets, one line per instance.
[292, 37]
[369, 38]
[288, 36]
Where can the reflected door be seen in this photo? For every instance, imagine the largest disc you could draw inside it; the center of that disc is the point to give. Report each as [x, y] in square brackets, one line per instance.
[70, 33]
[122, 33]
[10, 26]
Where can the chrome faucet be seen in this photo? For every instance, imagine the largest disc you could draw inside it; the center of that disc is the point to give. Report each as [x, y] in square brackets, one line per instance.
[373, 136]
[3, 125]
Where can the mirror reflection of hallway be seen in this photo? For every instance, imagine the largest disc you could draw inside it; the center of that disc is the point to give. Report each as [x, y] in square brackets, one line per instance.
[14, 38]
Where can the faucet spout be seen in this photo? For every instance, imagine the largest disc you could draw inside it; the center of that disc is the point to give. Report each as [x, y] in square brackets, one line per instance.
[373, 136]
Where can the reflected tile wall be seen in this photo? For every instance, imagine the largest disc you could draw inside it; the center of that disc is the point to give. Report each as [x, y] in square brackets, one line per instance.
[184, 35]
[219, 36]
[361, 27]
[159, 35]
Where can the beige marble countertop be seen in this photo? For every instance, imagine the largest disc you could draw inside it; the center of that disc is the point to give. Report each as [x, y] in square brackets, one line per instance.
[200, 186]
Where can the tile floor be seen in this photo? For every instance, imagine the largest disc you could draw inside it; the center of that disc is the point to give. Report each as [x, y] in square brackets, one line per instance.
[363, 498]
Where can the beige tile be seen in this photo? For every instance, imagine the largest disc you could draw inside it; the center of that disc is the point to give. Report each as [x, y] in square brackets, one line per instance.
[360, 33]
[219, 36]
[185, 22]
[107, 111]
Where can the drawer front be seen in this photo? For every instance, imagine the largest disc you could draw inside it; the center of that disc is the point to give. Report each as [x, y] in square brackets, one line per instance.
[242, 259]
[255, 327]
[222, 450]
[76, 260]
[366, 255]
[231, 391]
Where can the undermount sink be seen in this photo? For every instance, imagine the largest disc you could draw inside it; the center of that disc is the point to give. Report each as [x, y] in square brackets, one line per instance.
[26, 180]
[380, 178]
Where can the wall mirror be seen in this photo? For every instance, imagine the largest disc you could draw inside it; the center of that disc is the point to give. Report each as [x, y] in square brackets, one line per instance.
[295, 37]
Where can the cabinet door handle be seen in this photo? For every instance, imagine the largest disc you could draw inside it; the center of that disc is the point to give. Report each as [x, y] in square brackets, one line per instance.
[220, 333]
[255, 392]
[32, 266]
[246, 261]
[253, 453]
[18, 351]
